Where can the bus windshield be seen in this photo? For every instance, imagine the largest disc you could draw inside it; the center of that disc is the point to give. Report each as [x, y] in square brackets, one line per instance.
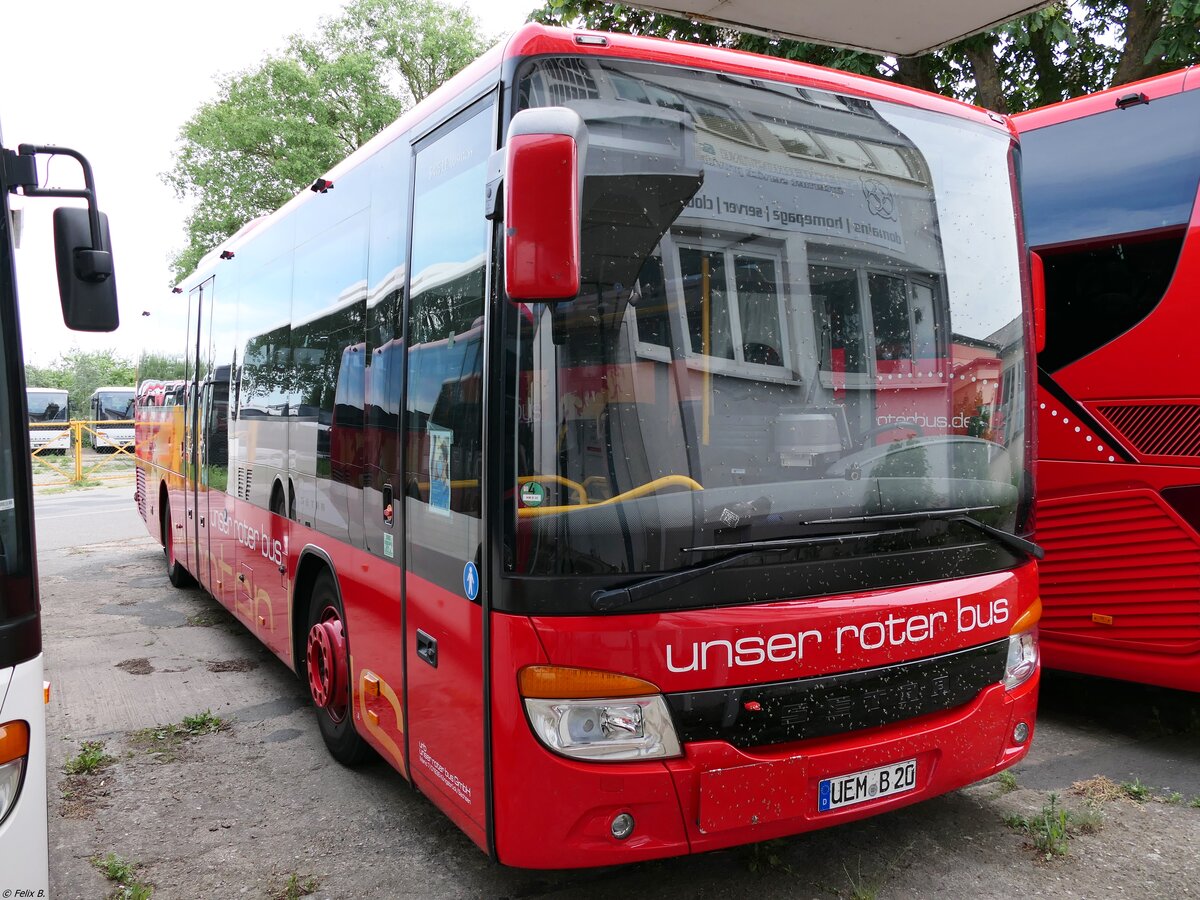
[47, 406]
[797, 308]
[111, 405]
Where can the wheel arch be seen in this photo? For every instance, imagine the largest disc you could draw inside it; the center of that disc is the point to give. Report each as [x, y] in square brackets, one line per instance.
[312, 562]
[164, 510]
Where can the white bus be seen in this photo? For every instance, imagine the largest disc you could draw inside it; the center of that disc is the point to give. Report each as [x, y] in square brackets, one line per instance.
[112, 404]
[49, 418]
[89, 303]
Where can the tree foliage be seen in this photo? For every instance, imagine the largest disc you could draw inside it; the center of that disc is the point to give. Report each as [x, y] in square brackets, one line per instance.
[275, 128]
[1059, 52]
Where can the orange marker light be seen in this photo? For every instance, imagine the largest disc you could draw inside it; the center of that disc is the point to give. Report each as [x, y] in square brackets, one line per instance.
[1029, 618]
[14, 741]
[46, 693]
[563, 683]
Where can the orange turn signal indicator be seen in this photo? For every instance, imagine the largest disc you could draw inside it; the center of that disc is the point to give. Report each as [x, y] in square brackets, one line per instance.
[14, 741]
[1029, 618]
[566, 683]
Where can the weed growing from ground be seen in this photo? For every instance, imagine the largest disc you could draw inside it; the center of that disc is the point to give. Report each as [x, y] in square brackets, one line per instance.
[1051, 829]
[1135, 790]
[90, 759]
[297, 886]
[124, 873]
[861, 888]
[166, 742]
[203, 723]
[1007, 781]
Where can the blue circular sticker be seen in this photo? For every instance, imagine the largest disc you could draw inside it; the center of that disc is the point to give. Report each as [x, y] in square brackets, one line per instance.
[470, 581]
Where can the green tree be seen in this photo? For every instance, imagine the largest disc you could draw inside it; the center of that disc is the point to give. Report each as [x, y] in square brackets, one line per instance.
[275, 128]
[1059, 52]
[80, 372]
[160, 367]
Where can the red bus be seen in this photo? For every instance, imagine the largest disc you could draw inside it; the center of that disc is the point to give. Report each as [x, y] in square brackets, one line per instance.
[1110, 185]
[617, 446]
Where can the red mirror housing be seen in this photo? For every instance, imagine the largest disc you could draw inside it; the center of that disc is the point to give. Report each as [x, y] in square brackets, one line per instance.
[543, 191]
[1037, 276]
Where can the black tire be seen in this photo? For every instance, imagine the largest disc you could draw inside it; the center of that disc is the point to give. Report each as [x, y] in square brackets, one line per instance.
[176, 573]
[336, 718]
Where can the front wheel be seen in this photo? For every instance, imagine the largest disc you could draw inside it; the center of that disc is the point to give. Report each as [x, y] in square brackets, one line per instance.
[327, 671]
[176, 573]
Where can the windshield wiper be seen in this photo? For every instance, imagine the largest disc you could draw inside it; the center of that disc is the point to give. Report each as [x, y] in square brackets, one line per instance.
[615, 598]
[961, 514]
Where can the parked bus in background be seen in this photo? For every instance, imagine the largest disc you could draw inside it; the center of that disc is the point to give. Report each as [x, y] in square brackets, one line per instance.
[49, 420]
[112, 404]
[1110, 184]
[670, 473]
[89, 302]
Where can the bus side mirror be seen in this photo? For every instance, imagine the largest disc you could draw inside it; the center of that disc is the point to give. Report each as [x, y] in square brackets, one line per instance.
[87, 287]
[1037, 275]
[543, 199]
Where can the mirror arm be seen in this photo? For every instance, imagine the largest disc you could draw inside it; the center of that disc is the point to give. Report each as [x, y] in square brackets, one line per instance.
[91, 264]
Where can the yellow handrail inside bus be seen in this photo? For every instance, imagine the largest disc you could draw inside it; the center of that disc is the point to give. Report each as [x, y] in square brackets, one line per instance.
[641, 490]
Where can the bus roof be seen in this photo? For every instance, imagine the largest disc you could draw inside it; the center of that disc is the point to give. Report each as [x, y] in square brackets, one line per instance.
[541, 40]
[41, 390]
[1102, 101]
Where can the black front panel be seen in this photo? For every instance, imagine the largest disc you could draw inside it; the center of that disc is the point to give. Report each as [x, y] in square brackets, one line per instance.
[759, 715]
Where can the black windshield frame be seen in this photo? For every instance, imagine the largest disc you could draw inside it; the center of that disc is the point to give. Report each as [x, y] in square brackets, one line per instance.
[20, 614]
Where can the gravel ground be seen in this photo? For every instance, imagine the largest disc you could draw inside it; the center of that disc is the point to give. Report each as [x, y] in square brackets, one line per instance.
[241, 798]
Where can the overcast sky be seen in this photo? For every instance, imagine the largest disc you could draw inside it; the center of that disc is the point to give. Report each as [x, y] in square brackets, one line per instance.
[115, 81]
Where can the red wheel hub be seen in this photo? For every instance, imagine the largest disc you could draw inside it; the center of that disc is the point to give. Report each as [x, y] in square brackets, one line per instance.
[327, 663]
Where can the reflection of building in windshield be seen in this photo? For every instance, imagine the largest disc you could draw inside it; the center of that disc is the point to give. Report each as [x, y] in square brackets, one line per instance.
[764, 290]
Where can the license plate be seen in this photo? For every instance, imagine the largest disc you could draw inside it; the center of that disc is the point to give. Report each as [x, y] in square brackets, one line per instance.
[871, 784]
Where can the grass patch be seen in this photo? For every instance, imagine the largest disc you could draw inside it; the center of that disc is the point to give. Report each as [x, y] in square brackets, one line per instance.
[1195, 804]
[1007, 781]
[296, 886]
[85, 485]
[1051, 830]
[124, 873]
[90, 759]
[203, 619]
[167, 743]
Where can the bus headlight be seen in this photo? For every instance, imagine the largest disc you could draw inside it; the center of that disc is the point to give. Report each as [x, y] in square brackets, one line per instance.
[1022, 659]
[14, 749]
[586, 714]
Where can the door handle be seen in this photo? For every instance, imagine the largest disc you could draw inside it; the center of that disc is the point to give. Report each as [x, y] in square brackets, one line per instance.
[427, 648]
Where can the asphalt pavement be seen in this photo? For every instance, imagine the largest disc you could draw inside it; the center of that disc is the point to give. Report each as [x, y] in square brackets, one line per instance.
[72, 518]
